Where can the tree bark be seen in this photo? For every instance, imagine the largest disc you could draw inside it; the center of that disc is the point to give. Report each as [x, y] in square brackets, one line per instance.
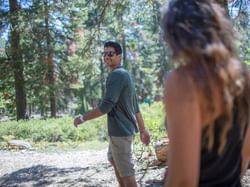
[51, 66]
[17, 63]
[102, 78]
[125, 62]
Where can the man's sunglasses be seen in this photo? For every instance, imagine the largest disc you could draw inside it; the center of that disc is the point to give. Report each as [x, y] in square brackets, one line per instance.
[109, 53]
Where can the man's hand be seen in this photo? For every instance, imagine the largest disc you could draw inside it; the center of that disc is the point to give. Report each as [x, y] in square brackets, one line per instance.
[145, 137]
[78, 120]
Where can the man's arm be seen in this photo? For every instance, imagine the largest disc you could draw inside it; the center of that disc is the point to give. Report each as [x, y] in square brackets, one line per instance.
[144, 135]
[88, 116]
[113, 90]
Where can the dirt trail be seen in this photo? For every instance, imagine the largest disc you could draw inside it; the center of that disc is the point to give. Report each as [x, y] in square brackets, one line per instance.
[72, 168]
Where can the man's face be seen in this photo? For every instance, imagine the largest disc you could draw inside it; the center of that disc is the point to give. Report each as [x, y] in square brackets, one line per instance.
[111, 59]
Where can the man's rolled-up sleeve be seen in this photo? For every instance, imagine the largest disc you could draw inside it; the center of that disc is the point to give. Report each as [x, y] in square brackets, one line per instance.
[115, 84]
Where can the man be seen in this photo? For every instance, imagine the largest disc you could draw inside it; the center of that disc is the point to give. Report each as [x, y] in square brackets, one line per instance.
[120, 104]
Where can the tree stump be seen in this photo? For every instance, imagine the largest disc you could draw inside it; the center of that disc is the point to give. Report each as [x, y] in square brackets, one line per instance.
[161, 149]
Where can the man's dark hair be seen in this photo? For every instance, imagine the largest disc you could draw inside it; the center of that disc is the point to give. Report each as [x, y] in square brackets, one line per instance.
[115, 45]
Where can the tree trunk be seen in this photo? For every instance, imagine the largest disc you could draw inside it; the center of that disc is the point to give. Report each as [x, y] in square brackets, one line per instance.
[51, 67]
[17, 63]
[102, 78]
[125, 62]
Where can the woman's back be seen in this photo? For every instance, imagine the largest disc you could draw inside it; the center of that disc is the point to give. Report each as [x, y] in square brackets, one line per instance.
[186, 127]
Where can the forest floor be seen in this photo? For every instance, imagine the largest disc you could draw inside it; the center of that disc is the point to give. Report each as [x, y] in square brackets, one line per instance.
[85, 168]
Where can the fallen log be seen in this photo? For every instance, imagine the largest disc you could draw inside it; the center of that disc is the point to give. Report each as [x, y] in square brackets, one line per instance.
[161, 149]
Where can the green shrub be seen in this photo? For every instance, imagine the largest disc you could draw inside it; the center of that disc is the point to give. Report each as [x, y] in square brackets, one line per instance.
[53, 130]
[153, 116]
[62, 130]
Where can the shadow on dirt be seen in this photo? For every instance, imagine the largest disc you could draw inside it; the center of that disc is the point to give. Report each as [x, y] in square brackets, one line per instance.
[42, 175]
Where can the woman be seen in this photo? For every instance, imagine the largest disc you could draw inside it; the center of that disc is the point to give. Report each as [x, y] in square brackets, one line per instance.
[206, 98]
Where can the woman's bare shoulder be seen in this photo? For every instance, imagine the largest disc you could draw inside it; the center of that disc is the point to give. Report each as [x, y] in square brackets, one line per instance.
[180, 83]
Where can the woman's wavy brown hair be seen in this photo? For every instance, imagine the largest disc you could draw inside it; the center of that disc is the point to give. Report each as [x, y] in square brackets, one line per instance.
[201, 37]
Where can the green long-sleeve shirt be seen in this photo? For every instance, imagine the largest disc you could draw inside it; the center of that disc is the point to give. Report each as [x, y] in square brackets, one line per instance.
[120, 103]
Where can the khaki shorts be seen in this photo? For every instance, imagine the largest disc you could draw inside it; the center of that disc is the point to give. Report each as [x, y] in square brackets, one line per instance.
[120, 152]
